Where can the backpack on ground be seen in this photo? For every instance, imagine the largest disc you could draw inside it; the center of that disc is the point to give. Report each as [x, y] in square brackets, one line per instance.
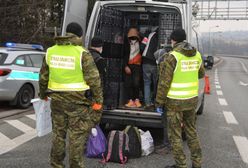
[118, 149]
[134, 141]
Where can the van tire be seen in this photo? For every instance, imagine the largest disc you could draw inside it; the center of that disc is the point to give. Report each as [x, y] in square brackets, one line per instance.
[24, 96]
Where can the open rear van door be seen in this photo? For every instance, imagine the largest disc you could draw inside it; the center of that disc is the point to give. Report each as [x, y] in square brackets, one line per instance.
[75, 11]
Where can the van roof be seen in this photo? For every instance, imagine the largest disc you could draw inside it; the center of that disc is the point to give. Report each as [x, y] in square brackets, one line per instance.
[148, 2]
[162, 1]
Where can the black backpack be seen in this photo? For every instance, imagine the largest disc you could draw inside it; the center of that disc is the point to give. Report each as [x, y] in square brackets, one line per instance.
[118, 149]
[134, 141]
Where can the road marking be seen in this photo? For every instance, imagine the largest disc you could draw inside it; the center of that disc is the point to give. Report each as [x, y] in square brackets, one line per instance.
[19, 125]
[32, 116]
[216, 80]
[230, 119]
[243, 84]
[3, 139]
[244, 67]
[222, 102]
[217, 86]
[219, 92]
[25, 137]
[9, 144]
[217, 83]
[242, 145]
[5, 143]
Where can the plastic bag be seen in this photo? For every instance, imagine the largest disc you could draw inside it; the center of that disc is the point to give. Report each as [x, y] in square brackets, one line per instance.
[147, 144]
[96, 144]
[43, 116]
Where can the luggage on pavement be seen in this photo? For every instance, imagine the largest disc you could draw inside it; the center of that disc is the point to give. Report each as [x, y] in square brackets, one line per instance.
[147, 143]
[118, 149]
[134, 141]
[96, 144]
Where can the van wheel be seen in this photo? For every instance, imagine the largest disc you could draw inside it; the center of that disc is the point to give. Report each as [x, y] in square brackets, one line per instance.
[200, 110]
[24, 96]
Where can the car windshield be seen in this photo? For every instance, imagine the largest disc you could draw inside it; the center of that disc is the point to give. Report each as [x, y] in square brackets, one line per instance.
[3, 56]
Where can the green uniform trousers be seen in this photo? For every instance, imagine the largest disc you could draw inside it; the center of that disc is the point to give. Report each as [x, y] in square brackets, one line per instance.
[188, 119]
[73, 121]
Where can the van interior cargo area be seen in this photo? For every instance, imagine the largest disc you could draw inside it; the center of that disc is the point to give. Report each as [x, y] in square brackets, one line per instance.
[112, 26]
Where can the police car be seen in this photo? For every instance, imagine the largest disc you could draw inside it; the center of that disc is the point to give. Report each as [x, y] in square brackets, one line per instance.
[19, 72]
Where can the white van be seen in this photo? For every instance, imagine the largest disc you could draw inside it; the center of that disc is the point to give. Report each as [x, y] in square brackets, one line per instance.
[111, 20]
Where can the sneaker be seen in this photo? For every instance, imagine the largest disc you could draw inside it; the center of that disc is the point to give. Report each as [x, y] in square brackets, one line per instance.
[130, 103]
[137, 103]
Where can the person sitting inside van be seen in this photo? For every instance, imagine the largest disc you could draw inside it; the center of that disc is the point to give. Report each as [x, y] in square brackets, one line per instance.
[132, 62]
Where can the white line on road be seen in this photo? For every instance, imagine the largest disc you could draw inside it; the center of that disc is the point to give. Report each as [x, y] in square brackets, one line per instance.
[9, 144]
[217, 86]
[25, 137]
[217, 83]
[219, 92]
[3, 138]
[32, 116]
[244, 67]
[242, 145]
[230, 119]
[19, 125]
[223, 102]
[5, 143]
[243, 84]
[216, 80]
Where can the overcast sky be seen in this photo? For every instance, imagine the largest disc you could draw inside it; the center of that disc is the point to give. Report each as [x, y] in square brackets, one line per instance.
[225, 25]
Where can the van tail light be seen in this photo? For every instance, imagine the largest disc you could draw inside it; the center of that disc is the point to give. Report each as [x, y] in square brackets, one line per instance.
[4, 72]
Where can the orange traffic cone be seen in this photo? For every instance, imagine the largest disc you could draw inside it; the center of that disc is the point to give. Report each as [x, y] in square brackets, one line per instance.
[207, 85]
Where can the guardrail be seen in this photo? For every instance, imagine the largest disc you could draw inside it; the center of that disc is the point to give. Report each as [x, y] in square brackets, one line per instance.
[228, 55]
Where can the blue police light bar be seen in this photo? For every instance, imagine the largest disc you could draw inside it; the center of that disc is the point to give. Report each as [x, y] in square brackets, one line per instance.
[10, 44]
[24, 46]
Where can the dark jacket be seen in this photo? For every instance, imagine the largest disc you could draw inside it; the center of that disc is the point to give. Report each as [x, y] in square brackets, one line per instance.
[166, 72]
[149, 58]
[99, 61]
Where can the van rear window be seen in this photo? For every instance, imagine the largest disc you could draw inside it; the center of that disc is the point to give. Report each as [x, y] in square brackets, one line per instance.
[3, 57]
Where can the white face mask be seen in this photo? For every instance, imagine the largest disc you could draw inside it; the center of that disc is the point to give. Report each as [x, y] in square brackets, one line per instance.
[100, 50]
[133, 42]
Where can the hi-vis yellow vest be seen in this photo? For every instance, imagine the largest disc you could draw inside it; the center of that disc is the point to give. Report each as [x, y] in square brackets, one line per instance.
[185, 83]
[65, 69]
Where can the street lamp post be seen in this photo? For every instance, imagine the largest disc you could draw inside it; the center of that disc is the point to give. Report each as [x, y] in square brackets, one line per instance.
[209, 41]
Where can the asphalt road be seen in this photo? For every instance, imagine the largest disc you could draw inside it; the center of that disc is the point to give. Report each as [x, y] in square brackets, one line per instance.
[223, 128]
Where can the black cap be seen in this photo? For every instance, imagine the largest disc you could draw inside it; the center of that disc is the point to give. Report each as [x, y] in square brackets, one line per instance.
[96, 42]
[178, 35]
[74, 28]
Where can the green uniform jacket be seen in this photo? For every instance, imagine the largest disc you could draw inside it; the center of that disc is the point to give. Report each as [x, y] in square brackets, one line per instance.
[166, 70]
[91, 76]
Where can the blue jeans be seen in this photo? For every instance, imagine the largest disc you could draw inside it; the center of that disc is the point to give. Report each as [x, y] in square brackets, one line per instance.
[150, 76]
